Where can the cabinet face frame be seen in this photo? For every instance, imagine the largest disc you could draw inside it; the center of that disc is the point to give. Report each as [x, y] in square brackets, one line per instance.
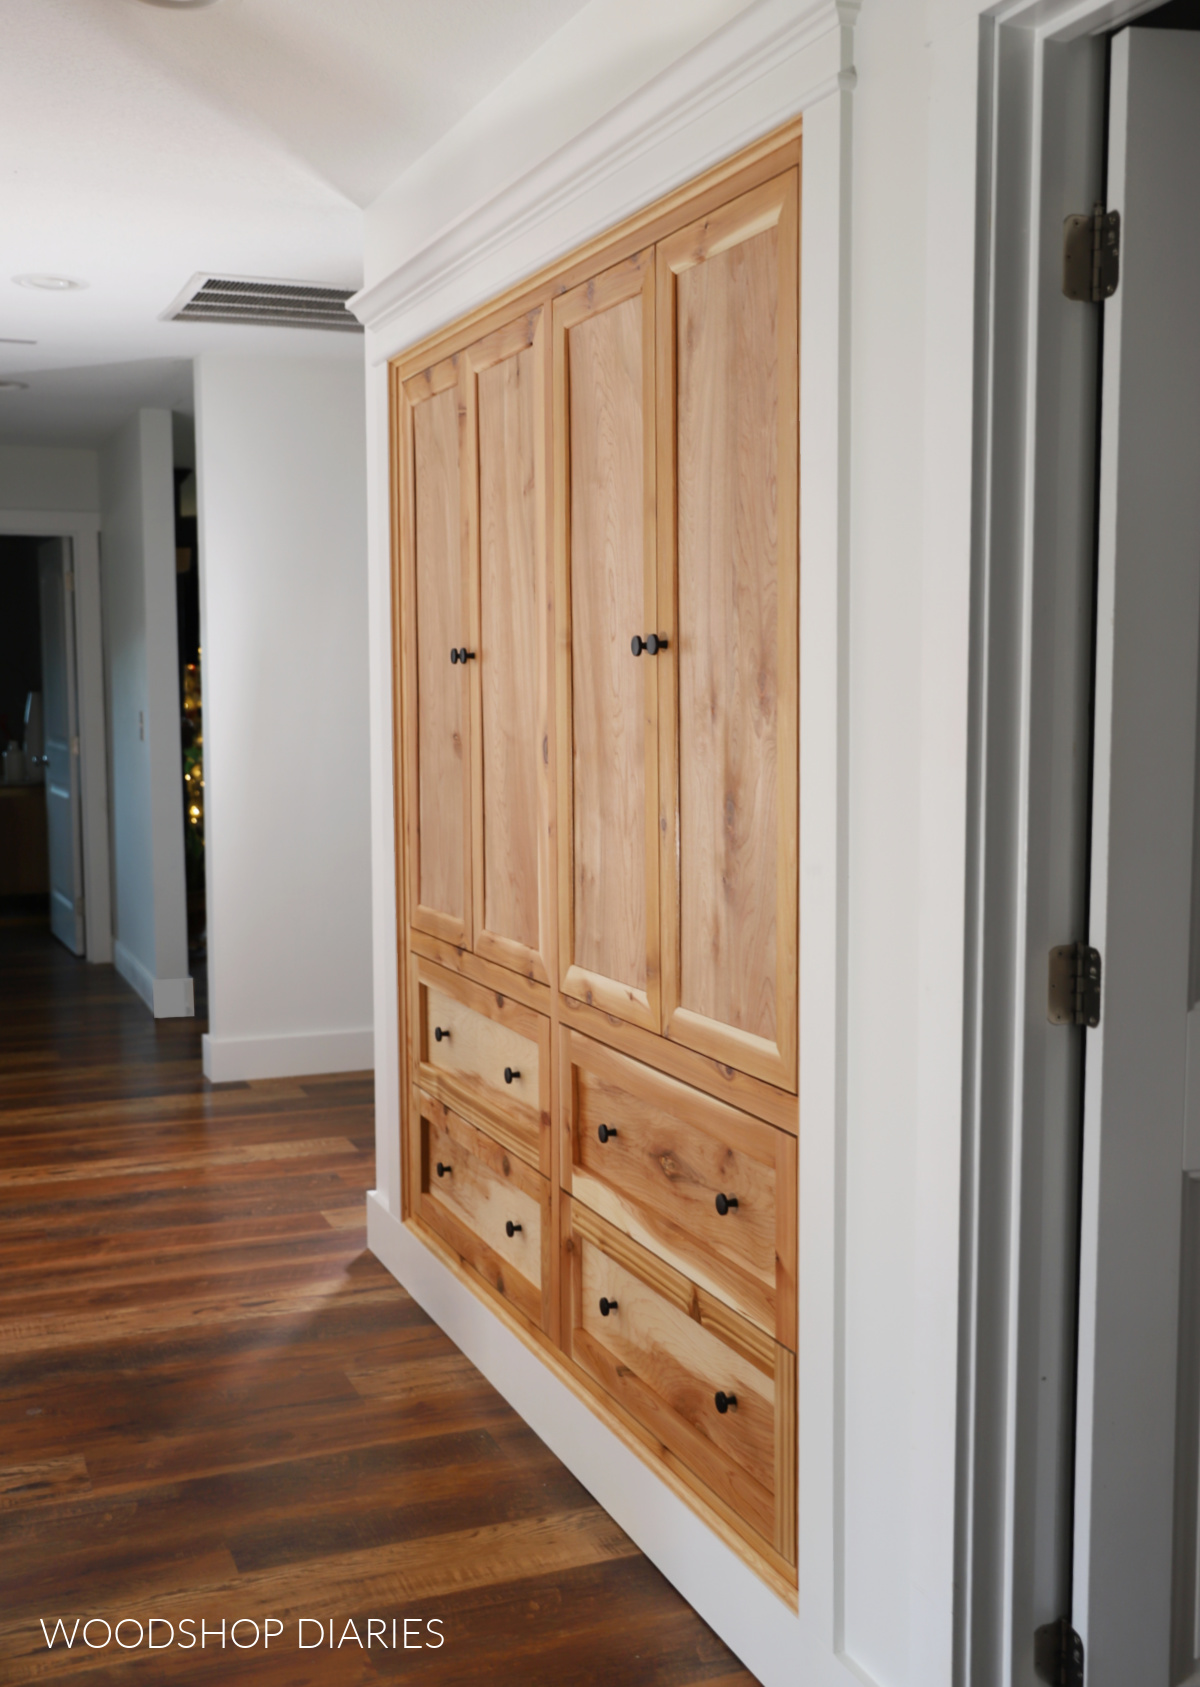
[419, 389]
[775, 204]
[527, 333]
[631, 281]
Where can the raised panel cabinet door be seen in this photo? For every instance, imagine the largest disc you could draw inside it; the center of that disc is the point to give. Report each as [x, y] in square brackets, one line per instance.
[512, 808]
[606, 589]
[728, 478]
[436, 622]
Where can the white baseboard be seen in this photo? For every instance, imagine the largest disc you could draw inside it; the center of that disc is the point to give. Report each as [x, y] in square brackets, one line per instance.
[167, 998]
[232, 1059]
[750, 1619]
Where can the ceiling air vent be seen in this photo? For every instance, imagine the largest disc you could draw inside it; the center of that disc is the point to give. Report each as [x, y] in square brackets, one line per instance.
[287, 304]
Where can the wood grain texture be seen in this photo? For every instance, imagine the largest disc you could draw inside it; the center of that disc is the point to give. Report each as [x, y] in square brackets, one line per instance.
[608, 757]
[479, 970]
[728, 308]
[440, 692]
[214, 1402]
[512, 811]
[488, 1033]
[674, 1151]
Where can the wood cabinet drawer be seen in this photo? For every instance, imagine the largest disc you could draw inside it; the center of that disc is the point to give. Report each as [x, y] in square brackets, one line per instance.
[706, 1187]
[491, 1208]
[717, 1393]
[486, 1056]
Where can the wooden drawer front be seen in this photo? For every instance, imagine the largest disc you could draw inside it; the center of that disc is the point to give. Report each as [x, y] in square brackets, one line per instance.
[666, 1350]
[484, 1034]
[481, 1190]
[674, 1151]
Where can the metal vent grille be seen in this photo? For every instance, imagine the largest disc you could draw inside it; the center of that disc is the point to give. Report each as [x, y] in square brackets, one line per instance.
[287, 304]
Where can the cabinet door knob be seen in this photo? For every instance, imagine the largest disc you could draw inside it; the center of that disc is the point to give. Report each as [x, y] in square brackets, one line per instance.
[510, 1075]
[454, 654]
[605, 1132]
[462, 654]
[723, 1401]
[724, 1202]
[510, 1229]
[607, 1306]
[442, 1170]
[651, 645]
[441, 1033]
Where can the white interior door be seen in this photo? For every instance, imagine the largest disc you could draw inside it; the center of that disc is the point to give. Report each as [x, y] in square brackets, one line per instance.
[57, 602]
[1135, 1596]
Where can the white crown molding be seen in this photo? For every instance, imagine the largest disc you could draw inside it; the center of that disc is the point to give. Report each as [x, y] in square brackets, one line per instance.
[766, 65]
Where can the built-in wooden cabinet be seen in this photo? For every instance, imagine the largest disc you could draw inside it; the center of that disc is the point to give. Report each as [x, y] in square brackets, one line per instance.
[597, 641]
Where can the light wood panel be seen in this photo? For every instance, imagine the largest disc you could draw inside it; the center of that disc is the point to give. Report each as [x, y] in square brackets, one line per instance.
[437, 619]
[484, 1034]
[665, 1351]
[512, 781]
[668, 1151]
[607, 593]
[729, 523]
[479, 1193]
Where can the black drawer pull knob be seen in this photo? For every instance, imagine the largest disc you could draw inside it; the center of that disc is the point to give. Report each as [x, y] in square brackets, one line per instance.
[605, 1132]
[723, 1401]
[462, 654]
[510, 1229]
[454, 655]
[440, 1033]
[607, 1306]
[651, 645]
[510, 1075]
[724, 1202]
[442, 1170]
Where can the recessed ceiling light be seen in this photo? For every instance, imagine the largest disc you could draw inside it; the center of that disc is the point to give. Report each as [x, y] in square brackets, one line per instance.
[50, 283]
[14, 386]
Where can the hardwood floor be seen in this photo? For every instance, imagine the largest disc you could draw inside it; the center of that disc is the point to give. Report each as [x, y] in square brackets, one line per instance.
[215, 1404]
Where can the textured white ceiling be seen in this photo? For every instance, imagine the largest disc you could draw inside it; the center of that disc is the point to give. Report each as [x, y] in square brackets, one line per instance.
[141, 144]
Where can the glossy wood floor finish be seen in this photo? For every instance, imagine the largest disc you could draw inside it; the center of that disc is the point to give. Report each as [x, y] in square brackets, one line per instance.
[214, 1403]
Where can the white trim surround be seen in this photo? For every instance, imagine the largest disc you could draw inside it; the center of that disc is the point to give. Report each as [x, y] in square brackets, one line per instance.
[774, 60]
[298, 1054]
[83, 529]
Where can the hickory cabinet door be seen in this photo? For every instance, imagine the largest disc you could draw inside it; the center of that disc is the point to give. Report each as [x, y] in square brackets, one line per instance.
[606, 586]
[512, 633]
[728, 473]
[436, 619]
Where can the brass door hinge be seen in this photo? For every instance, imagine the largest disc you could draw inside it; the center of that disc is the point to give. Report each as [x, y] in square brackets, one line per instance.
[1058, 1654]
[1091, 255]
[1074, 992]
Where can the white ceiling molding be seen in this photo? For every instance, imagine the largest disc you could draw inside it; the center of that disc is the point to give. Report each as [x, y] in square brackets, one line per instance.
[769, 63]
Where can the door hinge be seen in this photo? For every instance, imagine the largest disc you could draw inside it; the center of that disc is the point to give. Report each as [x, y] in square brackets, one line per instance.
[1074, 994]
[1058, 1654]
[1091, 255]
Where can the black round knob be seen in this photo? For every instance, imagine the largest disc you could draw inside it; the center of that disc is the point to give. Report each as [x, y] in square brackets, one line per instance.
[605, 1132]
[724, 1401]
[509, 1074]
[724, 1202]
[453, 654]
[651, 644]
[510, 1229]
[636, 645]
[607, 1306]
[440, 1032]
[465, 655]
[442, 1170]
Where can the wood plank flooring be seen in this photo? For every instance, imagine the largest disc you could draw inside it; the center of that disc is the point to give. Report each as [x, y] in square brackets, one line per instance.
[215, 1404]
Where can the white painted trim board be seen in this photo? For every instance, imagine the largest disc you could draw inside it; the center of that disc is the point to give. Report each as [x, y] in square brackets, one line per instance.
[297, 1054]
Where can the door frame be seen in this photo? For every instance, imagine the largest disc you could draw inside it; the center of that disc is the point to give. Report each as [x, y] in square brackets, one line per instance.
[83, 532]
[1041, 66]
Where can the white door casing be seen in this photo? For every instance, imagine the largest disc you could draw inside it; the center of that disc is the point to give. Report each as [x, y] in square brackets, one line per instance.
[56, 582]
[1148, 627]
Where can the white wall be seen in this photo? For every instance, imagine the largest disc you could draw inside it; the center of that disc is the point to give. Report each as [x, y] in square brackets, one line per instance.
[138, 578]
[48, 477]
[283, 581]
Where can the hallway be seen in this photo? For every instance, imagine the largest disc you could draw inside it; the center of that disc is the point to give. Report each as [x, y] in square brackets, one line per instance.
[215, 1404]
